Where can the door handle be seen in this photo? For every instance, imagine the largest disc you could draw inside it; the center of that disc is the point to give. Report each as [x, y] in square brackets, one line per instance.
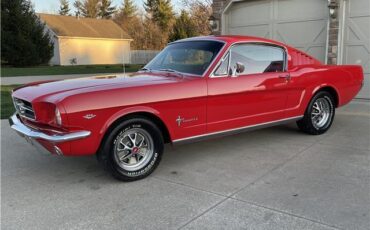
[285, 76]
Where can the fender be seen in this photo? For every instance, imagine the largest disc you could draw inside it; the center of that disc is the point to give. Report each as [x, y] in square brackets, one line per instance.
[324, 85]
[127, 111]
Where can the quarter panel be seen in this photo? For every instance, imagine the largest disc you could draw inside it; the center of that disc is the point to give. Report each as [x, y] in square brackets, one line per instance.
[308, 80]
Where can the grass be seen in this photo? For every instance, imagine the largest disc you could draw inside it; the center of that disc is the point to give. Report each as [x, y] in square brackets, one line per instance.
[7, 108]
[7, 71]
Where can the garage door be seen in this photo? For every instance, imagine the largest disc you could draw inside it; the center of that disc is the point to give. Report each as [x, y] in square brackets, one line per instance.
[356, 39]
[299, 23]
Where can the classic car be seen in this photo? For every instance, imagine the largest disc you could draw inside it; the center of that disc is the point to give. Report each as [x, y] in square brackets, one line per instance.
[194, 89]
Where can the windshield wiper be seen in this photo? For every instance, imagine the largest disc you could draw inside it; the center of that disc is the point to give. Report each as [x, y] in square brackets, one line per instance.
[171, 71]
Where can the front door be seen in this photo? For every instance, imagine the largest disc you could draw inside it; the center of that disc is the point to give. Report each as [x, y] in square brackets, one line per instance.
[248, 88]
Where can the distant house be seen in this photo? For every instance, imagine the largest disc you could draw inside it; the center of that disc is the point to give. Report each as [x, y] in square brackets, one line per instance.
[86, 41]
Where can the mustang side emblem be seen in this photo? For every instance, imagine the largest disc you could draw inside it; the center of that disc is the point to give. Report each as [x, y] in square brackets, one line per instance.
[180, 120]
[89, 116]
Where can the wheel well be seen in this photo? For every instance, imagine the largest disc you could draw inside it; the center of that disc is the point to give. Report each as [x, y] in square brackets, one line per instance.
[333, 92]
[151, 117]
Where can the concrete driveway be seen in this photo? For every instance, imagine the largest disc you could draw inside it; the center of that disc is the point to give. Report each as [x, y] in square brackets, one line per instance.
[276, 178]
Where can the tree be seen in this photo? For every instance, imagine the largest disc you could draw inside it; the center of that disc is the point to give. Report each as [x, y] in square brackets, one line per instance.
[106, 10]
[90, 8]
[64, 7]
[128, 9]
[153, 37]
[160, 12]
[127, 18]
[23, 40]
[184, 27]
[200, 11]
[78, 6]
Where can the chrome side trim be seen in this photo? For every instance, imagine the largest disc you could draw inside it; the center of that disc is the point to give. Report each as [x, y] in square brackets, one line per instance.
[23, 130]
[235, 131]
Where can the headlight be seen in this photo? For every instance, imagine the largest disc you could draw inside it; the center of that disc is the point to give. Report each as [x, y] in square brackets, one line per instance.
[58, 117]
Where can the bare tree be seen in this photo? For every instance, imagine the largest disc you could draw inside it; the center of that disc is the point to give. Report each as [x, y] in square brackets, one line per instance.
[200, 11]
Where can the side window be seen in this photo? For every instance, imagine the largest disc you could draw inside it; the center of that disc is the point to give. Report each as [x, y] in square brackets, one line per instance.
[222, 69]
[257, 58]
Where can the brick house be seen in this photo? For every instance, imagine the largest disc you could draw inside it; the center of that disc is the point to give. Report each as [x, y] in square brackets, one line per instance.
[333, 31]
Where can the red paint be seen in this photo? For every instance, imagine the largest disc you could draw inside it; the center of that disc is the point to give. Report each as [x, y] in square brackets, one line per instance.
[207, 104]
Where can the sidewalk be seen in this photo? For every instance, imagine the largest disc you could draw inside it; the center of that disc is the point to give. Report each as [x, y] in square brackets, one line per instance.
[29, 79]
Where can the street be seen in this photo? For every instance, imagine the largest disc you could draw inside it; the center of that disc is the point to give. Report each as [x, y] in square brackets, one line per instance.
[275, 178]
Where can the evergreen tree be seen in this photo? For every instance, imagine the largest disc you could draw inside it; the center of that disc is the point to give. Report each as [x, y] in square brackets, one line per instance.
[90, 8]
[78, 6]
[23, 41]
[64, 7]
[160, 12]
[106, 10]
[128, 9]
[183, 27]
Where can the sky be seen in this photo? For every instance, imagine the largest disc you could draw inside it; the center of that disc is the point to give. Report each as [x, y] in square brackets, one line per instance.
[52, 6]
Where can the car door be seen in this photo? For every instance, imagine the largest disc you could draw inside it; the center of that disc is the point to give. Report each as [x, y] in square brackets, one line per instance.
[254, 94]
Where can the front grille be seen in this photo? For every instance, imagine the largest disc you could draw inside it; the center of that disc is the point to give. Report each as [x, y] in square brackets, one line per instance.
[24, 108]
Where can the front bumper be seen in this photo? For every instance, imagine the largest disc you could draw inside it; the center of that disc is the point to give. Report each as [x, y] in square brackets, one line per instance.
[32, 135]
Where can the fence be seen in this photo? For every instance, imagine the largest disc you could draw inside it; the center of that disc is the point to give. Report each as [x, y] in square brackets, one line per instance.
[142, 56]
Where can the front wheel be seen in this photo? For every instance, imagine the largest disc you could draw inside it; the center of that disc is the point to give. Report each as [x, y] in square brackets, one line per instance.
[319, 114]
[132, 150]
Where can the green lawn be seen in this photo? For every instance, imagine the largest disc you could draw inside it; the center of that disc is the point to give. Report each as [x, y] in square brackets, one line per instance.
[7, 108]
[59, 70]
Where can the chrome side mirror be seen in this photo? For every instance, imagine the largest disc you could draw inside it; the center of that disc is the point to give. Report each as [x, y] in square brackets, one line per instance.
[238, 68]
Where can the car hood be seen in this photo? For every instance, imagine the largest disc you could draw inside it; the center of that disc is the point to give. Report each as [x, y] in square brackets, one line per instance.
[41, 90]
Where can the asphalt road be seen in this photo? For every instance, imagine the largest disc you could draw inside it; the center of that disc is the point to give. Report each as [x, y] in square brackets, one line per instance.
[276, 178]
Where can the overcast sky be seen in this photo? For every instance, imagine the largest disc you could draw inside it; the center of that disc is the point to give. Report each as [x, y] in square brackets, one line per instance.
[52, 6]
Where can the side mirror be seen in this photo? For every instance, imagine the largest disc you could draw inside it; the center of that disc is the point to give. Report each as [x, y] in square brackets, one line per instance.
[238, 68]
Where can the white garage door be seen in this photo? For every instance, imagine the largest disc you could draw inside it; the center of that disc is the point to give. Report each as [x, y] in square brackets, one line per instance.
[356, 39]
[299, 23]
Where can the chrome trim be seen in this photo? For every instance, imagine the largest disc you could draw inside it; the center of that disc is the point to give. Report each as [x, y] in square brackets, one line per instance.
[214, 60]
[58, 151]
[22, 129]
[212, 75]
[235, 131]
[20, 105]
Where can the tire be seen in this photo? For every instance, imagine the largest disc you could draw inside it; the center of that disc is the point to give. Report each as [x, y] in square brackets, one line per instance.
[127, 161]
[319, 114]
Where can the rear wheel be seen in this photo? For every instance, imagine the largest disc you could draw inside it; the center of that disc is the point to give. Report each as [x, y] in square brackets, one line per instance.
[132, 150]
[319, 114]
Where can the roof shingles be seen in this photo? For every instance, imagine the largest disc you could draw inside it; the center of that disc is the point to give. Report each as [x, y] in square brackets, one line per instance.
[83, 27]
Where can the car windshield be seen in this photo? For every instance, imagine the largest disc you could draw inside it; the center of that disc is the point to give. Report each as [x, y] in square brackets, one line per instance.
[191, 57]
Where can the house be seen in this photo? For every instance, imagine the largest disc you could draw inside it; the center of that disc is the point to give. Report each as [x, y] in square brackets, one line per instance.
[86, 41]
[333, 31]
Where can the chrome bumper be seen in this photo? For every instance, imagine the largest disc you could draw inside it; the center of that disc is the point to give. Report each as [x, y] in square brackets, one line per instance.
[31, 134]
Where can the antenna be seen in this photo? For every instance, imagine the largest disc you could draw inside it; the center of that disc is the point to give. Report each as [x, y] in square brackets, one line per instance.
[123, 57]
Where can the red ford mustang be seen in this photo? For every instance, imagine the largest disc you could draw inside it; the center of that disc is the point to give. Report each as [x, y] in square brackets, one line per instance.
[194, 89]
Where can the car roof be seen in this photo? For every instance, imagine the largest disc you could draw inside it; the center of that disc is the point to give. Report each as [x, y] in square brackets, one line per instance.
[232, 39]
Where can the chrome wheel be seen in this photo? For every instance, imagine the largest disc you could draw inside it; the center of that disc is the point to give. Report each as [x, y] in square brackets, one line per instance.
[133, 149]
[321, 112]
